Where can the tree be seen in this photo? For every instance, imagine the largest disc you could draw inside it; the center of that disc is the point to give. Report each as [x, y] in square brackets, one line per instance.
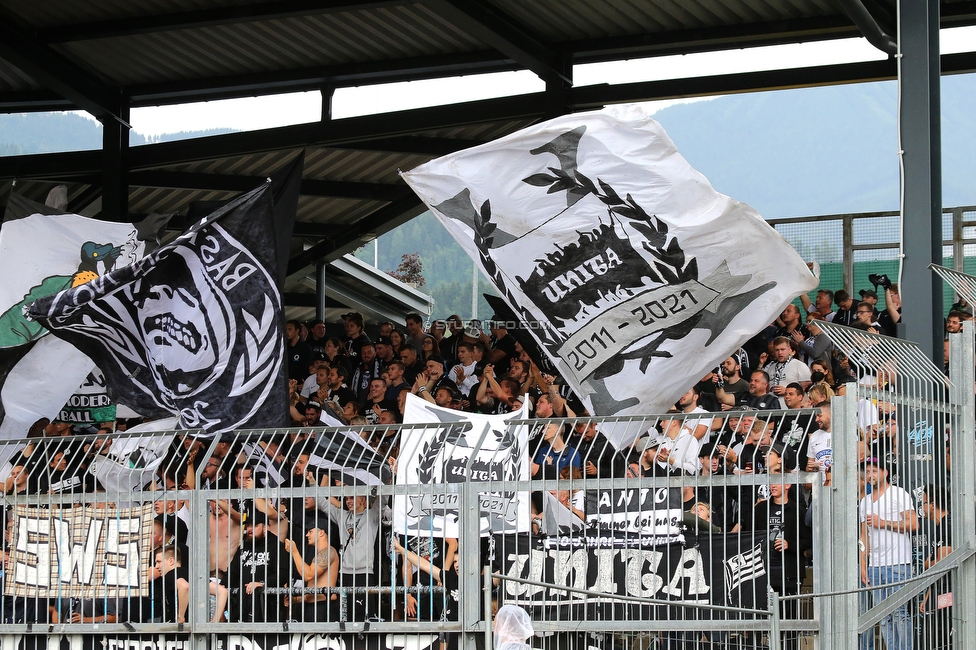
[410, 271]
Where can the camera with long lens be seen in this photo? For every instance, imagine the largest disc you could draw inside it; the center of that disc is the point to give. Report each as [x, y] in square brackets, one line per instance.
[880, 279]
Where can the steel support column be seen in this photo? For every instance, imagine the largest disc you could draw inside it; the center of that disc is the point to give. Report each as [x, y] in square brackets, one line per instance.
[963, 490]
[835, 538]
[320, 291]
[921, 142]
[115, 167]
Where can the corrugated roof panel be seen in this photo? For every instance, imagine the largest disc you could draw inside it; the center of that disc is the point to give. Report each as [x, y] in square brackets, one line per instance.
[310, 41]
[52, 13]
[13, 78]
[484, 132]
[568, 20]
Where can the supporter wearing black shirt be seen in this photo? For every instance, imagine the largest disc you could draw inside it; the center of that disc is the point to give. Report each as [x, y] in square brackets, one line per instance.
[501, 346]
[339, 392]
[299, 353]
[412, 365]
[367, 370]
[891, 316]
[932, 542]
[846, 312]
[256, 566]
[598, 455]
[355, 337]
[316, 336]
[170, 590]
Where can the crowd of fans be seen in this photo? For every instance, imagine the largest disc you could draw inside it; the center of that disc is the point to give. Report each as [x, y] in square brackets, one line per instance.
[273, 560]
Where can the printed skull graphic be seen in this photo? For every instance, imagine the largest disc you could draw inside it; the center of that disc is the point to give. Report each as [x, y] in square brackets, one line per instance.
[185, 327]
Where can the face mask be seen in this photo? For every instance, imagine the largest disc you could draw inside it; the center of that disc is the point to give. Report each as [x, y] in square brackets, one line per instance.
[817, 377]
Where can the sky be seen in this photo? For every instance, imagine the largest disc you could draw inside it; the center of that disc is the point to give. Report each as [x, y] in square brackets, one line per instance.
[252, 113]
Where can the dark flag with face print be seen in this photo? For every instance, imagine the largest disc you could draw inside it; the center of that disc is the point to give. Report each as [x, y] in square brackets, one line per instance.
[193, 329]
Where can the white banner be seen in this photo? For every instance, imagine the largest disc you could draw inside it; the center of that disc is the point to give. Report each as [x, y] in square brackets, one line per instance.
[42, 255]
[465, 446]
[633, 274]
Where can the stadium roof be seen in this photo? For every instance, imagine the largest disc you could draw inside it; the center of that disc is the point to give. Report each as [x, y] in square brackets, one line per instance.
[108, 56]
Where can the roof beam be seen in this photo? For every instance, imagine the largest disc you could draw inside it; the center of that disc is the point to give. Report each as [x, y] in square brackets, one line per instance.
[710, 39]
[338, 132]
[207, 18]
[297, 299]
[308, 79]
[415, 144]
[427, 67]
[53, 70]
[494, 28]
[595, 96]
[392, 127]
[339, 243]
[232, 183]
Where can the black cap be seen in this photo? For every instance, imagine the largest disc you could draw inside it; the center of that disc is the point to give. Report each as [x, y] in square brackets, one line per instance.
[383, 340]
[868, 293]
[312, 404]
[788, 455]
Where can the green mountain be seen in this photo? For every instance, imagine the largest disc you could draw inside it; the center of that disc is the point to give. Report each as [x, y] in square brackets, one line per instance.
[26, 133]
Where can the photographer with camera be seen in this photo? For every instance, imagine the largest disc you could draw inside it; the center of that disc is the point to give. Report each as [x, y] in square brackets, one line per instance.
[891, 316]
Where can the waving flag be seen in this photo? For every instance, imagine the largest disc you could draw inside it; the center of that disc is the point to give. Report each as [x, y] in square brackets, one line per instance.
[43, 252]
[634, 275]
[194, 329]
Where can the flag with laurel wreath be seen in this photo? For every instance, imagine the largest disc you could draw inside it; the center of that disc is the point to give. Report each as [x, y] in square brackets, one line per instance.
[635, 276]
[446, 446]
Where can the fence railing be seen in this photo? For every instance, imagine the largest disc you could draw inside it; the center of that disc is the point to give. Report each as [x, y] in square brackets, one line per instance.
[848, 247]
[737, 528]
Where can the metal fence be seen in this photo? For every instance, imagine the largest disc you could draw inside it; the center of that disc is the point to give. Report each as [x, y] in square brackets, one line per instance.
[729, 529]
[848, 247]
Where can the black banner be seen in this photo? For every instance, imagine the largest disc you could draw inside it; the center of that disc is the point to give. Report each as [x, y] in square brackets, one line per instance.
[707, 570]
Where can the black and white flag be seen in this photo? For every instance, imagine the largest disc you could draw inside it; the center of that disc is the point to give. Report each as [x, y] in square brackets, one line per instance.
[633, 274]
[193, 329]
[447, 446]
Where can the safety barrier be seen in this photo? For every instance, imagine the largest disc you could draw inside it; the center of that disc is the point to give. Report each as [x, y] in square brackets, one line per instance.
[407, 536]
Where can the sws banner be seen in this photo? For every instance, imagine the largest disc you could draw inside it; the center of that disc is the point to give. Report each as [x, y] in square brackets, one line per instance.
[81, 552]
[633, 274]
[729, 571]
[461, 447]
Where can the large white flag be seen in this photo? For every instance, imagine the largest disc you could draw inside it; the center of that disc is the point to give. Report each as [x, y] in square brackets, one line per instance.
[41, 255]
[632, 272]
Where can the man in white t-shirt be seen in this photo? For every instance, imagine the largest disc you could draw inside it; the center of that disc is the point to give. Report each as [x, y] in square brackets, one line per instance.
[888, 519]
[680, 450]
[463, 374]
[820, 446]
[700, 427]
[785, 369]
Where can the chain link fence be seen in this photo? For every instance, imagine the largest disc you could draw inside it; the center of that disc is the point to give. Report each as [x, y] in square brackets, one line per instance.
[849, 247]
[728, 528]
